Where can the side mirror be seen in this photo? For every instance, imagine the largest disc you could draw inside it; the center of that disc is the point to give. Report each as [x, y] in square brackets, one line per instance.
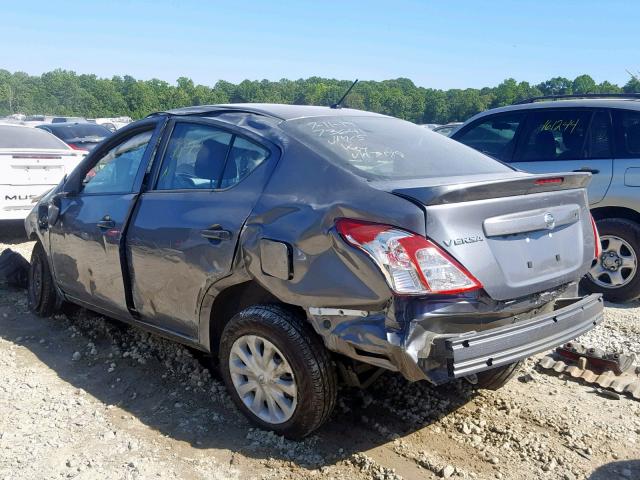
[53, 208]
[53, 213]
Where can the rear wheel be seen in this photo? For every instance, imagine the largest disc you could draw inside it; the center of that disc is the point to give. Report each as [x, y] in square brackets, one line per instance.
[615, 274]
[42, 295]
[277, 370]
[497, 378]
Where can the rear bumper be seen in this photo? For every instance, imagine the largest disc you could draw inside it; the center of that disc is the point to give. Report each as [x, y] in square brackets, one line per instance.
[440, 346]
[475, 352]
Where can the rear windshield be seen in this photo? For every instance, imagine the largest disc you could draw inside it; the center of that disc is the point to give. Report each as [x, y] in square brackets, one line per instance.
[26, 137]
[78, 131]
[378, 148]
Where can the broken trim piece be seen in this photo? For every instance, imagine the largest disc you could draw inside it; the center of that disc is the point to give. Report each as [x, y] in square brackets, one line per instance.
[337, 312]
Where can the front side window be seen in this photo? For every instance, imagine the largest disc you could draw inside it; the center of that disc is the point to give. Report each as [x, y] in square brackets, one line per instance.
[379, 148]
[206, 157]
[555, 135]
[628, 133]
[493, 136]
[116, 170]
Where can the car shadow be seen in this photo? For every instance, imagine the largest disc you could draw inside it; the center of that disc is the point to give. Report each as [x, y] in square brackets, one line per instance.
[165, 387]
[623, 306]
[12, 232]
[626, 469]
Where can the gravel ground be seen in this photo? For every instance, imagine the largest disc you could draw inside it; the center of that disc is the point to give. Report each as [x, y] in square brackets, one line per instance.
[84, 397]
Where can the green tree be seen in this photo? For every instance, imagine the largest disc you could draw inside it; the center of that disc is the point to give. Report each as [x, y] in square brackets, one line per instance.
[63, 92]
[556, 86]
[584, 84]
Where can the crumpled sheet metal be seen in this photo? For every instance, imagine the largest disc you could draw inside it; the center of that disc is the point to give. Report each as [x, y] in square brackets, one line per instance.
[627, 382]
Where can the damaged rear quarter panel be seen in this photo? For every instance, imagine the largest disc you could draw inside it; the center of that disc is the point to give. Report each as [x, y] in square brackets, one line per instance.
[299, 206]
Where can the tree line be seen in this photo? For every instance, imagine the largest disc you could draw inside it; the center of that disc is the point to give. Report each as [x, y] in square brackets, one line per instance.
[63, 92]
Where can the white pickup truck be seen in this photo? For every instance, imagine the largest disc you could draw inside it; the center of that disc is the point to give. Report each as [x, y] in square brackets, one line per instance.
[32, 161]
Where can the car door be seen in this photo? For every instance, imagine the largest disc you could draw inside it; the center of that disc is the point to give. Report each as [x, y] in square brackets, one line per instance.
[85, 241]
[185, 229]
[565, 140]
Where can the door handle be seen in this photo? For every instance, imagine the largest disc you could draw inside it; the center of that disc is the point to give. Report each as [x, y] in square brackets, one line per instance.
[106, 223]
[592, 171]
[216, 232]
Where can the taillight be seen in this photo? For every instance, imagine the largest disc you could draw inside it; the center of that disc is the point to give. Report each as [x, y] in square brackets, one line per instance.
[411, 264]
[596, 238]
[76, 147]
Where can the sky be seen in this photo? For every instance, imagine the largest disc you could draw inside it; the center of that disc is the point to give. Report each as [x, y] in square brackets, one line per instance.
[440, 44]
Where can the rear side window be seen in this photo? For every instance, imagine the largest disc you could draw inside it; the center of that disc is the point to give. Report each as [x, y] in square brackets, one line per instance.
[554, 135]
[245, 156]
[627, 127]
[206, 158]
[379, 148]
[599, 142]
[26, 137]
[494, 136]
[194, 158]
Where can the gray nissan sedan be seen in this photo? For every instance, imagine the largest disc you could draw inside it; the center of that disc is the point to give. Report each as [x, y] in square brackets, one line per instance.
[304, 246]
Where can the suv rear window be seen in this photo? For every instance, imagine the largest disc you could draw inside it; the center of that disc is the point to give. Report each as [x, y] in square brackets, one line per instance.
[379, 148]
[26, 137]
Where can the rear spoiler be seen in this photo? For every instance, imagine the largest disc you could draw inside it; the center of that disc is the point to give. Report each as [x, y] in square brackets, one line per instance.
[508, 187]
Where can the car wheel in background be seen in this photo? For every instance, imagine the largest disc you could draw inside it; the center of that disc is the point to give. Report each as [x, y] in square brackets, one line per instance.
[277, 370]
[14, 268]
[615, 274]
[42, 295]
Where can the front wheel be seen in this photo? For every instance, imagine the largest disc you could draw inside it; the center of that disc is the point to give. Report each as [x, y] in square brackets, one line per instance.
[615, 274]
[277, 370]
[42, 295]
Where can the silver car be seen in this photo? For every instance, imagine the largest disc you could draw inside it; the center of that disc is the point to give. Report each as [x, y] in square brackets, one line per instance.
[581, 134]
[302, 245]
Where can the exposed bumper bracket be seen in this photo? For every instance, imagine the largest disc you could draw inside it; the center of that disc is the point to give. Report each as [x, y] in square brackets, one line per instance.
[480, 351]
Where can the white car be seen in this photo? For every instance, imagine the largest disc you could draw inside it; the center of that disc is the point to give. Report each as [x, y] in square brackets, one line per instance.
[32, 161]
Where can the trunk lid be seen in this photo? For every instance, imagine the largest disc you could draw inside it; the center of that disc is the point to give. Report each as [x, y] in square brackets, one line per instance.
[518, 234]
[23, 166]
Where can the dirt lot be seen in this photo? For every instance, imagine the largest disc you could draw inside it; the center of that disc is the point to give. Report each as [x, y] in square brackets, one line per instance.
[83, 397]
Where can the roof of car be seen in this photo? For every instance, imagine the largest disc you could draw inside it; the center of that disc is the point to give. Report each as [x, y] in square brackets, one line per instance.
[626, 103]
[275, 110]
[63, 125]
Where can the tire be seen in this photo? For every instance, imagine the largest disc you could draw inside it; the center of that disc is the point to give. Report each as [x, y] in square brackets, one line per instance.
[497, 378]
[297, 350]
[596, 281]
[42, 295]
[14, 268]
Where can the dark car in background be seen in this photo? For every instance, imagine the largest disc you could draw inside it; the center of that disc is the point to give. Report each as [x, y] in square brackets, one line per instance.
[448, 129]
[598, 134]
[301, 245]
[79, 136]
